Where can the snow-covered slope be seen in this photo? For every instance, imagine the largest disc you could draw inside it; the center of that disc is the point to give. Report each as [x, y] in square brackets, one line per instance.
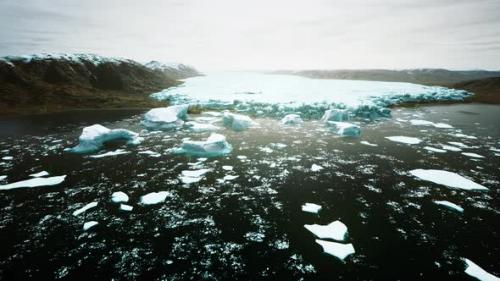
[175, 70]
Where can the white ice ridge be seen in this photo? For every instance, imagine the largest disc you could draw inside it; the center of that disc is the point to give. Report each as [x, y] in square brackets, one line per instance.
[164, 118]
[237, 122]
[338, 250]
[291, 119]
[214, 145]
[88, 225]
[335, 230]
[477, 272]
[34, 182]
[447, 178]
[345, 129]
[419, 122]
[403, 139]
[449, 205]
[277, 95]
[94, 137]
[311, 208]
[154, 197]
[192, 176]
[119, 197]
[85, 208]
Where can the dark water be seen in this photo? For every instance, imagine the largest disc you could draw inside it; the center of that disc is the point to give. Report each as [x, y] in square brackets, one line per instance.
[252, 228]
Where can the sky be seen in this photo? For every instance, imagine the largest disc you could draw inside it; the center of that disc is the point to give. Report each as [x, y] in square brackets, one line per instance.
[262, 34]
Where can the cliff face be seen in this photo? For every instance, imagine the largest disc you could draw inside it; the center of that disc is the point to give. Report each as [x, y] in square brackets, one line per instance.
[43, 83]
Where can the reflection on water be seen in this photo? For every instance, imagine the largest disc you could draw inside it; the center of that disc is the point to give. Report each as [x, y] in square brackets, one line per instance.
[252, 226]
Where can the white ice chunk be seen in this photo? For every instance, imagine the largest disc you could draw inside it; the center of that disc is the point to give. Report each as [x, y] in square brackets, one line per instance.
[447, 178]
[201, 127]
[463, 136]
[2, 177]
[311, 208]
[40, 174]
[215, 145]
[403, 139]
[119, 197]
[150, 153]
[473, 155]
[88, 225]
[93, 138]
[316, 168]
[368, 143]
[227, 168]
[192, 176]
[164, 118]
[337, 115]
[418, 122]
[110, 153]
[335, 230]
[126, 208]
[338, 250]
[450, 205]
[459, 144]
[477, 272]
[237, 122]
[291, 119]
[345, 129]
[154, 198]
[7, 158]
[34, 182]
[451, 148]
[85, 208]
[433, 149]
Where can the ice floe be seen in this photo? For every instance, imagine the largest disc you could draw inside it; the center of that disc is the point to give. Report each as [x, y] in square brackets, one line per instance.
[458, 144]
[433, 149]
[34, 182]
[473, 155]
[345, 129]
[403, 139]
[477, 272]
[119, 197]
[2, 177]
[85, 208]
[338, 250]
[192, 176]
[201, 127]
[215, 145]
[7, 158]
[94, 137]
[291, 119]
[39, 174]
[449, 205]
[316, 168]
[227, 168]
[419, 122]
[237, 122]
[154, 198]
[150, 153]
[311, 208]
[463, 136]
[447, 178]
[164, 118]
[335, 230]
[88, 225]
[368, 143]
[451, 148]
[110, 153]
[126, 208]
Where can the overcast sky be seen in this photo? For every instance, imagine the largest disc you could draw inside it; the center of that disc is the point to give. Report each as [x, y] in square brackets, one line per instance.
[262, 34]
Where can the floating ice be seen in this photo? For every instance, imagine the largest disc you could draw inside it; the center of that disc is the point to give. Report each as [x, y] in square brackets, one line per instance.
[463, 136]
[450, 205]
[164, 118]
[7, 158]
[316, 168]
[215, 145]
[433, 149]
[150, 153]
[368, 143]
[34, 182]
[459, 144]
[126, 208]
[201, 127]
[93, 138]
[337, 115]
[477, 272]
[447, 178]
[403, 139]
[40, 174]
[229, 178]
[119, 197]
[291, 119]
[451, 148]
[335, 230]
[345, 129]
[338, 250]
[110, 153]
[88, 225]
[237, 122]
[311, 208]
[2, 177]
[154, 198]
[418, 122]
[85, 208]
[227, 168]
[192, 176]
[473, 155]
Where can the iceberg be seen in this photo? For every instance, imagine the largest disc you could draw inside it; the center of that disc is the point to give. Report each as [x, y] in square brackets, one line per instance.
[94, 137]
[477, 272]
[164, 118]
[335, 230]
[88, 225]
[338, 250]
[154, 198]
[447, 179]
[85, 208]
[449, 205]
[215, 145]
[403, 139]
[34, 182]
[338, 115]
[311, 208]
[345, 129]
[291, 119]
[237, 122]
[119, 197]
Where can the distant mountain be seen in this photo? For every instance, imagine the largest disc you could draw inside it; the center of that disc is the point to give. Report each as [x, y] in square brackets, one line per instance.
[55, 82]
[486, 90]
[173, 70]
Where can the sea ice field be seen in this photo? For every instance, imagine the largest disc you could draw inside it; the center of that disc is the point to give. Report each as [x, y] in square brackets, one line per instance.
[244, 195]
